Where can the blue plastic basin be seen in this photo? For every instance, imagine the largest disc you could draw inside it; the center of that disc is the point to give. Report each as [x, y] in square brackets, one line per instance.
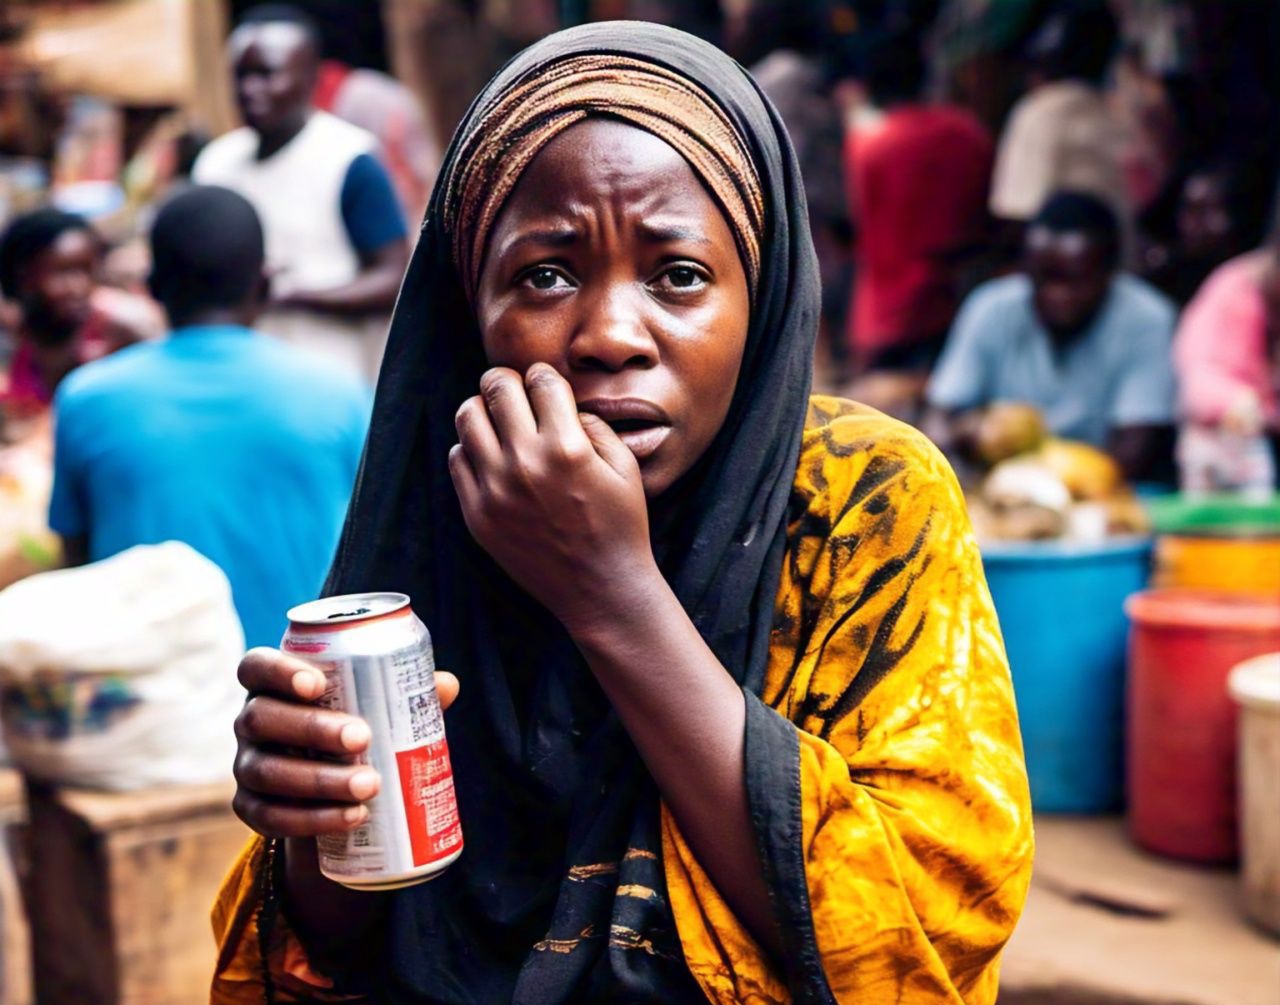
[1061, 609]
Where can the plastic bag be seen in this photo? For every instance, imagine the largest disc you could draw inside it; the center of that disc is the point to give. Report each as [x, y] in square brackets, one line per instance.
[122, 674]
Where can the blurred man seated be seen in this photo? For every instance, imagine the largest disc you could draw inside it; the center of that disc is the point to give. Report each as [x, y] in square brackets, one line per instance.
[1090, 348]
[238, 445]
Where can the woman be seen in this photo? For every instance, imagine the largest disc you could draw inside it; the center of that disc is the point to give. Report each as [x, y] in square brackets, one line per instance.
[735, 721]
[1218, 213]
[1227, 353]
[49, 262]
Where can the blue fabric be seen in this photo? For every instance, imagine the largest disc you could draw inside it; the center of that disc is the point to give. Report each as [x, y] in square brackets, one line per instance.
[234, 443]
[1118, 373]
[370, 210]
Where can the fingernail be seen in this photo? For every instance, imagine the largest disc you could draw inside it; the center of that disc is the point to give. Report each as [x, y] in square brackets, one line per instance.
[355, 814]
[363, 784]
[355, 736]
[308, 683]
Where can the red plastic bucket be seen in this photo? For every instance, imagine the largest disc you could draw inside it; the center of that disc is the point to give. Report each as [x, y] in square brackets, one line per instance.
[1182, 722]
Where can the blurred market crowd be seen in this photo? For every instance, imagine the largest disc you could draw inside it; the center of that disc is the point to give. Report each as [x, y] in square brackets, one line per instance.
[1059, 207]
[1046, 231]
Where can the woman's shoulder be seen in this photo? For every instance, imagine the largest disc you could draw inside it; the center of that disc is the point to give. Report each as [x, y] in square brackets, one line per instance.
[852, 454]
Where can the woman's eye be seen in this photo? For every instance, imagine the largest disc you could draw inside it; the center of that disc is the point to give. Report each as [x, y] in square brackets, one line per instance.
[544, 278]
[683, 277]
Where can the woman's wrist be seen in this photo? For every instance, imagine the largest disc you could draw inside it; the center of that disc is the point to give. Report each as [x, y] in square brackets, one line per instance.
[618, 603]
[323, 914]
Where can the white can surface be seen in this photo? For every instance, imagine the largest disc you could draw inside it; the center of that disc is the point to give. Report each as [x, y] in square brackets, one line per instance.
[378, 664]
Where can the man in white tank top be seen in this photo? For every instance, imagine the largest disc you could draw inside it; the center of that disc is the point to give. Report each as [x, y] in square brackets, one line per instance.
[336, 237]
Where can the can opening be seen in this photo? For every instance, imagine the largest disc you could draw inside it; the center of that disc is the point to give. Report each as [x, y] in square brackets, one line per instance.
[351, 609]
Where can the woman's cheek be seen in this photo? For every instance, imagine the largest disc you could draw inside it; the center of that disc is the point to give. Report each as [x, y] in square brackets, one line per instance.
[518, 337]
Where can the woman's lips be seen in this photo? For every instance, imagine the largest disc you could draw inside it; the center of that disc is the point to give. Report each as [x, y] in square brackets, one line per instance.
[641, 425]
[644, 443]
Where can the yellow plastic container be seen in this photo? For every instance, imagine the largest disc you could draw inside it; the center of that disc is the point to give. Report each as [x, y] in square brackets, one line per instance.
[1246, 565]
[1221, 544]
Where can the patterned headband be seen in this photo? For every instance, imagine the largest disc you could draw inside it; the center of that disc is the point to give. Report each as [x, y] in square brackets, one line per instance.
[526, 118]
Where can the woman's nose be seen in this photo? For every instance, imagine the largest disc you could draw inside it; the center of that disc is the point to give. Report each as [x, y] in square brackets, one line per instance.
[613, 335]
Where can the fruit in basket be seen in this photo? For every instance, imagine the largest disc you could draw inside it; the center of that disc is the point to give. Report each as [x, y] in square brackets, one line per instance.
[1007, 429]
[1087, 472]
[1021, 500]
[1025, 481]
[1127, 515]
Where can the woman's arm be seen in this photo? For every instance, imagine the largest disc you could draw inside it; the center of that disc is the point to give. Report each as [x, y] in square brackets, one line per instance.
[528, 460]
[686, 716]
[294, 797]
[884, 768]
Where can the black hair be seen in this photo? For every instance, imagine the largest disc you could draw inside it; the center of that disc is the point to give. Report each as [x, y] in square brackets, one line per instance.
[285, 13]
[1069, 212]
[896, 69]
[29, 235]
[207, 249]
[1076, 40]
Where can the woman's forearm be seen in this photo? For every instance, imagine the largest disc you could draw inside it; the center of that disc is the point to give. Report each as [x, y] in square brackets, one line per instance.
[327, 918]
[686, 716]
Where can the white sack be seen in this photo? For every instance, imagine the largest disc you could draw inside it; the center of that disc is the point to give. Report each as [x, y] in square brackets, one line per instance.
[122, 674]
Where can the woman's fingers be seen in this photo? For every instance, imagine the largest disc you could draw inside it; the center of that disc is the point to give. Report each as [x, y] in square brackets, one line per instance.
[508, 405]
[267, 720]
[299, 778]
[273, 818]
[269, 671]
[605, 442]
[476, 434]
[446, 688]
[556, 411]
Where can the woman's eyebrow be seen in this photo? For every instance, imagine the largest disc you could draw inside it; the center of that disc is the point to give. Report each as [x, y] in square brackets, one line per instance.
[554, 237]
[670, 233]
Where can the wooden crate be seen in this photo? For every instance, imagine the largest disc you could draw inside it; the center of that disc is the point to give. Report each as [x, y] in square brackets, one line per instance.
[15, 938]
[119, 890]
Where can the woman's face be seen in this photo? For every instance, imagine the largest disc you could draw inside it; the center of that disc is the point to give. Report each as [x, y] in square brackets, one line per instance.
[57, 285]
[611, 262]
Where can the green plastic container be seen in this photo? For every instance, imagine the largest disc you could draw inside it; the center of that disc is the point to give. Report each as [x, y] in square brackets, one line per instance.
[1214, 516]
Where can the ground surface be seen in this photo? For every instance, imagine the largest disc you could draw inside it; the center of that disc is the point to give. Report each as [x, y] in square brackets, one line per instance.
[1109, 925]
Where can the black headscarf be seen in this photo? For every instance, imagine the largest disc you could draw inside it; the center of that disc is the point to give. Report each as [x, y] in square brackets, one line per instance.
[557, 809]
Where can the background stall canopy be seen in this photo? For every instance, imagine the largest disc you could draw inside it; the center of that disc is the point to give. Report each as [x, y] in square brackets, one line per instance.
[136, 52]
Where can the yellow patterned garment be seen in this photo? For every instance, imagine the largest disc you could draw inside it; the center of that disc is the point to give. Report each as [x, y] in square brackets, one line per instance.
[912, 839]
[916, 835]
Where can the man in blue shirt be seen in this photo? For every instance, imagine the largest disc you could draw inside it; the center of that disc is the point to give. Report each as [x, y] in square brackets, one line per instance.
[234, 443]
[1089, 348]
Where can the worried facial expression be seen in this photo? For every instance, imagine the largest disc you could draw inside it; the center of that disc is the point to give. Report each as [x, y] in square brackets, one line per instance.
[611, 262]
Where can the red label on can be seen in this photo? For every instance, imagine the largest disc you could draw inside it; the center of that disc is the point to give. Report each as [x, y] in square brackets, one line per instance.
[430, 805]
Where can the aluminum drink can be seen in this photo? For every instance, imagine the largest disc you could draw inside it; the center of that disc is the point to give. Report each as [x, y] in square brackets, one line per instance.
[378, 664]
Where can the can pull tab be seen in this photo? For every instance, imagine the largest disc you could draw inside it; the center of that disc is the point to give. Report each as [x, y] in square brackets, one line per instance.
[348, 614]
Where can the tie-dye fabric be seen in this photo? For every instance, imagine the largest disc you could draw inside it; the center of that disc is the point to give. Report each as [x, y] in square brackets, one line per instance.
[884, 765]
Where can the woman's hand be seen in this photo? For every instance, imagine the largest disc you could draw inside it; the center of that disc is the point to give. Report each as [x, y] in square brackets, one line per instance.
[288, 783]
[553, 495]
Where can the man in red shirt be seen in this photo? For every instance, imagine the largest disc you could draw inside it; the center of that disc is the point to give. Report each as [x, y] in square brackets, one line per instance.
[918, 177]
